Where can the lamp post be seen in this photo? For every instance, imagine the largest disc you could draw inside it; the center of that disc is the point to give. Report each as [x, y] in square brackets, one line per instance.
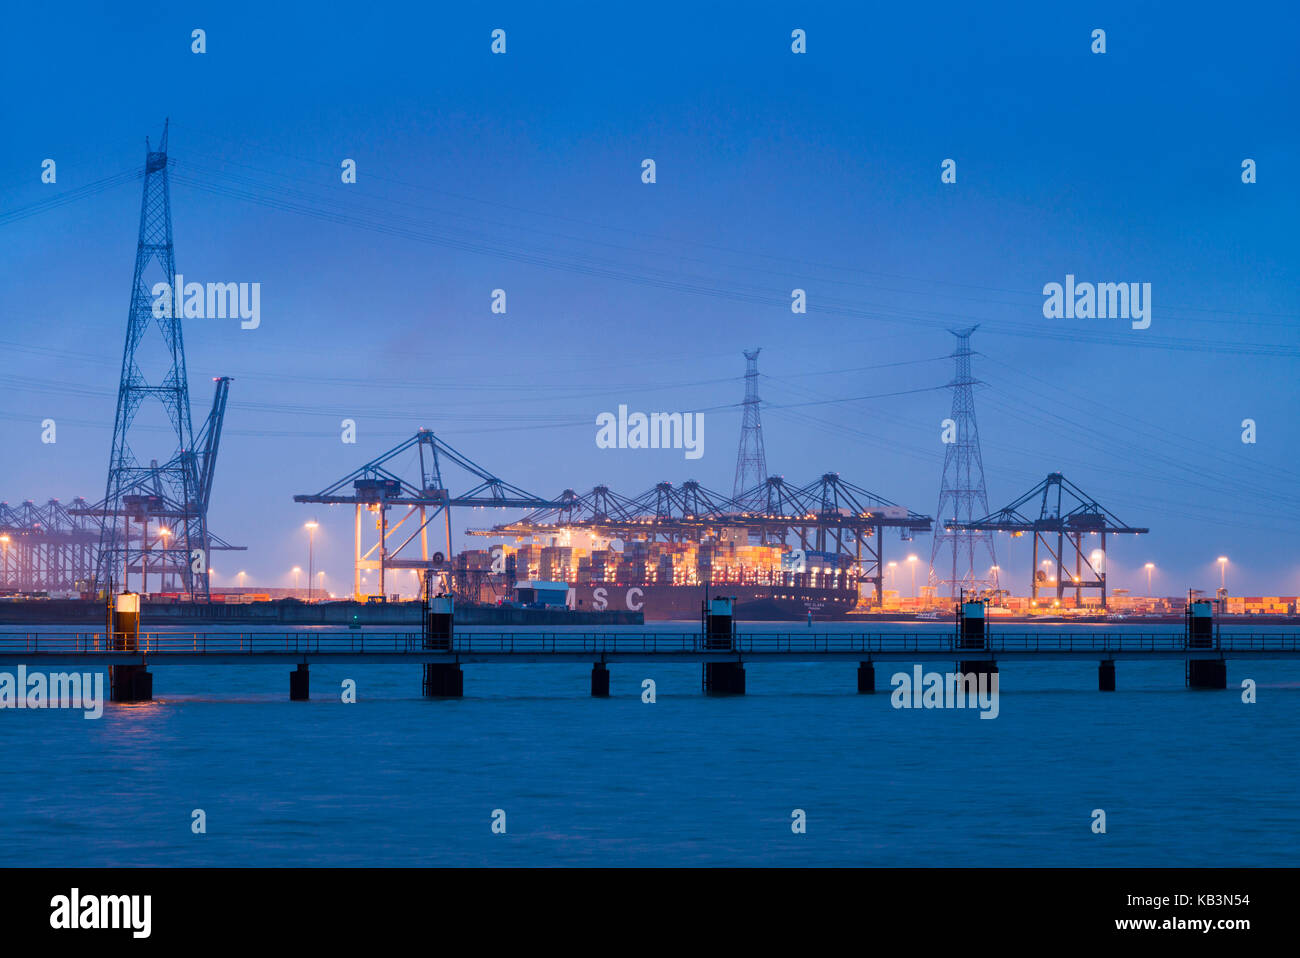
[911, 561]
[996, 585]
[893, 575]
[1149, 567]
[1223, 572]
[241, 579]
[163, 533]
[296, 571]
[311, 553]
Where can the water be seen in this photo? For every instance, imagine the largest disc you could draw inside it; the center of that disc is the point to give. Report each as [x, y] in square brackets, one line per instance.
[1185, 778]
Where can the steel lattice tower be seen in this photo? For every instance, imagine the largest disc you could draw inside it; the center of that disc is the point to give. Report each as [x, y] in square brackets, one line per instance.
[962, 496]
[140, 492]
[751, 460]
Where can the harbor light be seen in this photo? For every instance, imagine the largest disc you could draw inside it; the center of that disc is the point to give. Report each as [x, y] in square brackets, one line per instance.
[310, 526]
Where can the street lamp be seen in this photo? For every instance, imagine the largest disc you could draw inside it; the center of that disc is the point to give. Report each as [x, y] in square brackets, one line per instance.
[911, 561]
[296, 571]
[893, 575]
[1150, 566]
[163, 533]
[1223, 572]
[311, 553]
[241, 579]
[995, 570]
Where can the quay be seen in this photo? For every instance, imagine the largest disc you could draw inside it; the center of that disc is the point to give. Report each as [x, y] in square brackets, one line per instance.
[721, 650]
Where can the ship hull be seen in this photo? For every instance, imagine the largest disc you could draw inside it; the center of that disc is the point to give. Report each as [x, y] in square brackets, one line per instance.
[753, 603]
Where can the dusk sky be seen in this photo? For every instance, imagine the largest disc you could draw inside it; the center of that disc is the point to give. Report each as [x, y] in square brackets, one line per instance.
[774, 171]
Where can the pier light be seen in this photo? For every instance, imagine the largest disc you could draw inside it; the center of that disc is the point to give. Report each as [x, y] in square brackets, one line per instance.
[1223, 572]
[310, 526]
[296, 572]
[1150, 567]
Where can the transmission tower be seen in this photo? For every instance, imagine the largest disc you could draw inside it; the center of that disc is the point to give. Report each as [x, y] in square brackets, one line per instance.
[962, 496]
[751, 460]
[154, 519]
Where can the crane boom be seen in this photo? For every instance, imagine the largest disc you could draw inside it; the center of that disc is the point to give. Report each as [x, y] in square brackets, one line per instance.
[209, 440]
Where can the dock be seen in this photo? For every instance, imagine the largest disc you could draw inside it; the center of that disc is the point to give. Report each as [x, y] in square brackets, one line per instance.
[473, 648]
[719, 648]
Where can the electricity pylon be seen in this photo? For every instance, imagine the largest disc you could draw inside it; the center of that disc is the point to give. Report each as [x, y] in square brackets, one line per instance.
[751, 460]
[962, 496]
[165, 502]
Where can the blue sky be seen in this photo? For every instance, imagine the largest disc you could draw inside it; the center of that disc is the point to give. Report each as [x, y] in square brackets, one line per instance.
[774, 171]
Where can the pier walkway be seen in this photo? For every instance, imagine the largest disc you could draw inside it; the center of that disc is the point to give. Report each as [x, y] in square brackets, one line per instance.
[229, 648]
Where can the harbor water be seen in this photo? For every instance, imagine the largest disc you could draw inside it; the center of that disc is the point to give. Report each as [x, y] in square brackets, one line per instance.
[1185, 778]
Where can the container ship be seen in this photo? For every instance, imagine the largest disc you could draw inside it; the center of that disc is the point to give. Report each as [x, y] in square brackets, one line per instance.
[666, 580]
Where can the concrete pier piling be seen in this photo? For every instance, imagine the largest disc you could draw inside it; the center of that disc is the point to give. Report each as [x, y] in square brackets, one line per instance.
[1203, 673]
[724, 678]
[127, 683]
[866, 677]
[130, 683]
[441, 680]
[299, 684]
[1207, 674]
[439, 613]
[600, 680]
[1106, 676]
[444, 681]
[972, 636]
[721, 678]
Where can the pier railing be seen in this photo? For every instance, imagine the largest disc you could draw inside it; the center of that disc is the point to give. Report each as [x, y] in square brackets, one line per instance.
[161, 644]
